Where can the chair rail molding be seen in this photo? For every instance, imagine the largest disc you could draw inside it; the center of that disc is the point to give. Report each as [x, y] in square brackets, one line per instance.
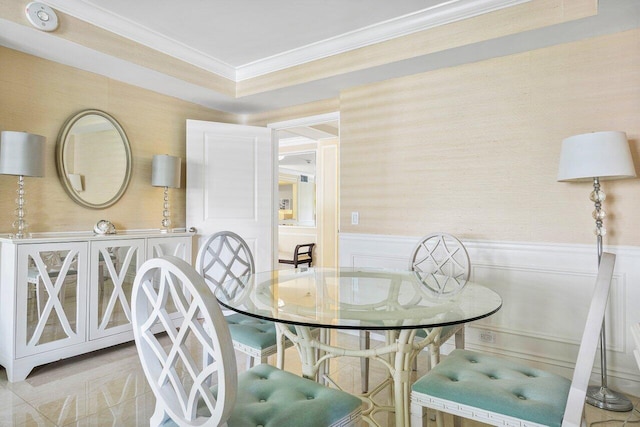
[546, 288]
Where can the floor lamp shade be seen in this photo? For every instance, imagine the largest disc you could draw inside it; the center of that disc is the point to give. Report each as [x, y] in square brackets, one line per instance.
[165, 171]
[604, 155]
[21, 154]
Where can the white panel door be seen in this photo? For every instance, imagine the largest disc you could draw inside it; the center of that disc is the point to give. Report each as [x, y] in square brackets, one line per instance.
[230, 184]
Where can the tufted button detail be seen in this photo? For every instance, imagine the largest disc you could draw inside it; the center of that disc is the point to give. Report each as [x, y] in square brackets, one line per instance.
[473, 361]
[521, 397]
[310, 397]
[491, 377]
[262, 400]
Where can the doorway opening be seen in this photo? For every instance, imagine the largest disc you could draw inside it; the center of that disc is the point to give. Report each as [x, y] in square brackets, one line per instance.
[306, 187]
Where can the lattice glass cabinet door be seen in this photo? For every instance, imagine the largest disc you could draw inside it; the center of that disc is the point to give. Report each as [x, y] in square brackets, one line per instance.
[113, 266]
[50, 296]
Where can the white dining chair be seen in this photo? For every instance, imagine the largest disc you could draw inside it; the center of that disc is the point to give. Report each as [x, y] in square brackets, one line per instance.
[437, 253]
[497, 391]
[180, 379]
[226, 256]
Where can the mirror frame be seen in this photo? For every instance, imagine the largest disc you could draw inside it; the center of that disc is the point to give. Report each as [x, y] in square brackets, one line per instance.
[62, 174]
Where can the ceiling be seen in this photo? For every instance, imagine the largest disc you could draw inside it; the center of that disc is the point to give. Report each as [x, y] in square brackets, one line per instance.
[240, 40]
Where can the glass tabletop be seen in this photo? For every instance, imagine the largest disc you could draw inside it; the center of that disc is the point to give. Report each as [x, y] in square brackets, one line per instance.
[358, 298]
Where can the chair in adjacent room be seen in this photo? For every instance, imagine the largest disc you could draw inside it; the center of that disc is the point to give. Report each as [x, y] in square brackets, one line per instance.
[497, 391]
[437, 253]
[226, 256]
[192, 370]
[302, 254]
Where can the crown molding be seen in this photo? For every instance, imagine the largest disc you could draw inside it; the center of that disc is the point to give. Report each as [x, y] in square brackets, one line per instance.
[441, 14]
[444, 13]
[126, 28]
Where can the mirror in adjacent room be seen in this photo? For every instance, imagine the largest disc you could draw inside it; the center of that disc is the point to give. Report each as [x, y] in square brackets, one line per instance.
[297, 189]
[93, 157]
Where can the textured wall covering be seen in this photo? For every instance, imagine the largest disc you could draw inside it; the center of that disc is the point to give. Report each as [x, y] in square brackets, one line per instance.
[473, 149]
[38, 96]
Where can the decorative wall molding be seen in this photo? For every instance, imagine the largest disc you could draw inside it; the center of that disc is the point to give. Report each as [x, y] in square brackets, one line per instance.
[440, 14]
[546, 288]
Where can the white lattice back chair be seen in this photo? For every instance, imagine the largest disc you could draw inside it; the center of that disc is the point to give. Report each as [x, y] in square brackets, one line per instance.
[442, 253]
[264, 395]
[225, 256]
[497, 391]
[438, 254]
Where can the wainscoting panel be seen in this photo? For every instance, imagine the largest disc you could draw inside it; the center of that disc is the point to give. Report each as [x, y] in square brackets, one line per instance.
[546, 290]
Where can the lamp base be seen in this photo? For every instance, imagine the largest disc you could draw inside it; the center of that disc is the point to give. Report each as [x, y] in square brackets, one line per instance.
[604, 398]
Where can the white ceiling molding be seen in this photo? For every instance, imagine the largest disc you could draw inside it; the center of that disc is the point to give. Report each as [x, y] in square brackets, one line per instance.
[441, 14]
[126, 28]
[306, 121]
[294, 141]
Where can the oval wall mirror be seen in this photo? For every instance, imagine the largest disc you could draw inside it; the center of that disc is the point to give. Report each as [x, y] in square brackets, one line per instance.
[93, 157]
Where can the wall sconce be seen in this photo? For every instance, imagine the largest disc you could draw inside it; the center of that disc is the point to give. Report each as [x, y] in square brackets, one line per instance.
[21, 154]
[593, 157]
[166, 173]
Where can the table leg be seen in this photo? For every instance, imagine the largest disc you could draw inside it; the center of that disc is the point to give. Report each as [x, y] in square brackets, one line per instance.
[402, 377]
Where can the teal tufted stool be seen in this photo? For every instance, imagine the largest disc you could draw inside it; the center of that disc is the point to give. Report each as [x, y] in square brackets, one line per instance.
[498, 385]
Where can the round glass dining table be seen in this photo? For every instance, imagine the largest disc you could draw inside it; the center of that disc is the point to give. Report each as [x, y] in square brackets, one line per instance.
[305, 303]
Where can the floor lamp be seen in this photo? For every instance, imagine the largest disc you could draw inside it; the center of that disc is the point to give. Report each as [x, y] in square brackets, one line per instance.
[165, 173]
[21, 154]
[594, 157]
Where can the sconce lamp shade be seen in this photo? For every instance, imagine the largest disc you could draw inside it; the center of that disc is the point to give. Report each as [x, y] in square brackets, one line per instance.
[604, 155]
[21, 153]
[165, 171]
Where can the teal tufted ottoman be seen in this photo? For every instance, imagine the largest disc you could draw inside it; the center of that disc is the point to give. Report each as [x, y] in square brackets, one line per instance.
[497, 385]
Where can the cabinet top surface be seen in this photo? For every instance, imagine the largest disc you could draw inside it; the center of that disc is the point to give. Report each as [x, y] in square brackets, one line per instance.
[85, 236]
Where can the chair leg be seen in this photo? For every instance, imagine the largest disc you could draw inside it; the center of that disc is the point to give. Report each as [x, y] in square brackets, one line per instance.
[434, 355]
[365, 342]
[418, 414]
[460, 337]
[280, 342]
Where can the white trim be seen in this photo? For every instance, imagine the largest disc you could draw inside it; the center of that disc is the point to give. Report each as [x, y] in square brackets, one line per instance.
[126, 28]
[306, 121]
[441, 14]
[292, 142]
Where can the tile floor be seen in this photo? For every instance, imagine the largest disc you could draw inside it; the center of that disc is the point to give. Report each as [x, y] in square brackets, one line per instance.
[108, 388]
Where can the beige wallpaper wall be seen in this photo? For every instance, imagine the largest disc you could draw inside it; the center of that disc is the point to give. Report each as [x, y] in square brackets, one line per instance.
[473, 150]
[39, 95]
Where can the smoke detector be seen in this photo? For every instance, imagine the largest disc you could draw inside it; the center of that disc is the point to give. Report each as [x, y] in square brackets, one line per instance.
[41, 16]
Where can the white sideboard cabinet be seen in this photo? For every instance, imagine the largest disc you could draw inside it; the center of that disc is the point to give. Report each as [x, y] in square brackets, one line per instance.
[64, 294]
